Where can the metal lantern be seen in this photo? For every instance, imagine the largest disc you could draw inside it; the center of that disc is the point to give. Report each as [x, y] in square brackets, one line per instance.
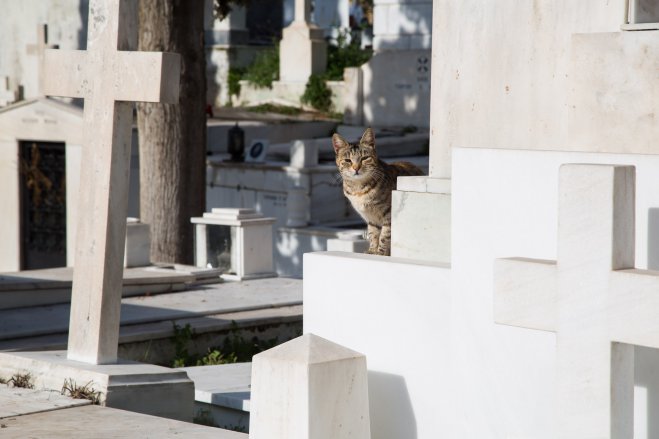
[236, 142]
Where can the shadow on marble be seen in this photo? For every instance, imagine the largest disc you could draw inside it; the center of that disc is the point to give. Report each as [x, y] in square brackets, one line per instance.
[394, 416]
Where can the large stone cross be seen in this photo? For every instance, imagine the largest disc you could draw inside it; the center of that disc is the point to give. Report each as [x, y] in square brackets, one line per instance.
[592, 298]
[108, 77]
[39, 49]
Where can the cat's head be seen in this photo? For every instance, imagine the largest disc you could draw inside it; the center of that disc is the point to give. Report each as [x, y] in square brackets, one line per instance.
[356, 160]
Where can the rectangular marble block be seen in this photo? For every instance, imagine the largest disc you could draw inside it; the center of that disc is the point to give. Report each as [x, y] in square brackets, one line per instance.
[138, 245]
[421, 226]
[126, 385]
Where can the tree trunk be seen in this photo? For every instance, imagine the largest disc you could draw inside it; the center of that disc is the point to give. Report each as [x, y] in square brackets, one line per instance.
[172, 138]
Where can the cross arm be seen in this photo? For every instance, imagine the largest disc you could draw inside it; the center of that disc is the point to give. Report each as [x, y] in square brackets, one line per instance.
[66, 73]
[149, 77]
[138, 76]
[633, 307]
[525, 293]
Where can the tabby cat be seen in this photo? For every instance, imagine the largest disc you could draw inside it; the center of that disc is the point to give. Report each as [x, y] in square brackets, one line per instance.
[367, 183]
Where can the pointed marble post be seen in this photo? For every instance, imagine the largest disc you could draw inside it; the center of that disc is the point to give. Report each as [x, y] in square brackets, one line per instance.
[309, 388]
[303, 50]
[39, 50]
[108, 76]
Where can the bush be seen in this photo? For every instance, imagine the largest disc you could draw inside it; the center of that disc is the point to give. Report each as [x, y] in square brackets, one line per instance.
[235, 75]
[317, 94]
[265, 68]
[343, 55]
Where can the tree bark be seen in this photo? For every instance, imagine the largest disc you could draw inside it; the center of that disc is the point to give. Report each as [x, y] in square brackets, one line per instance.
[172, 138]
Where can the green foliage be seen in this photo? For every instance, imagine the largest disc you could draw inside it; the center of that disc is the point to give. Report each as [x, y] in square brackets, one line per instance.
[234, 349]
[215, 357]
[265, 68]
[343, 55]
[235, 75]
[181, 339]
[317, 94]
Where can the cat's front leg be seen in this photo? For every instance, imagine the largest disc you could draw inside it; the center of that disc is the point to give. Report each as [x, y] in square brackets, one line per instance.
[384, 242]
[373, 236]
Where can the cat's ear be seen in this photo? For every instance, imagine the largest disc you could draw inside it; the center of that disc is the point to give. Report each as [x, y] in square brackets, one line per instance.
[338, 143]
[368, 139]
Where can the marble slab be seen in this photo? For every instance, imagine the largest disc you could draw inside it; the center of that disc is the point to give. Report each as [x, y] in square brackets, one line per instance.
[106, 423]
[18, 401]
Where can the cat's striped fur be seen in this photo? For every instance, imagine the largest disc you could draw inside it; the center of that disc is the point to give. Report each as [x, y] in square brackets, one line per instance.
[367, 183]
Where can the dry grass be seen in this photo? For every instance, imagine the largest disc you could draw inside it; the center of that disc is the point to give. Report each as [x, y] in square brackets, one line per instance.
[73, 390]
[22, 380]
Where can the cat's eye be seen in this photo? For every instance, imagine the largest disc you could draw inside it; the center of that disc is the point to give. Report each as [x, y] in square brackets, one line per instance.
[367, 159]
[347, 161]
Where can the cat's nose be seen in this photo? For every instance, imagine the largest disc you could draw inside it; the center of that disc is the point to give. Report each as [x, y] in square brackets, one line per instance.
[356, 167]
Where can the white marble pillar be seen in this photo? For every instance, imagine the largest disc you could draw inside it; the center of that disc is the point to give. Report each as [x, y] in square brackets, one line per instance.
[108, 75]
[426, 200]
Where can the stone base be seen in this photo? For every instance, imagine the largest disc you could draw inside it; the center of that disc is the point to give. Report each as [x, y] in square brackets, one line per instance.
[250, 276]
[289, 91]
[421, 219]
[126, 385]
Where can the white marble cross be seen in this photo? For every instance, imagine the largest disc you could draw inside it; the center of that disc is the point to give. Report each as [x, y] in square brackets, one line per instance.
[592, 297]
[39, 49]
[108, 77]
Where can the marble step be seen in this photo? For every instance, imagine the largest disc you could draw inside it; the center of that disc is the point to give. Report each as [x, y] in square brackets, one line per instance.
[222, 393]
[205, 300]
[53, 285]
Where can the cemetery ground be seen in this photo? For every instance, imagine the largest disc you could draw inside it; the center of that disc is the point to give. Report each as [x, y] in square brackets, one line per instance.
[172, 316]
